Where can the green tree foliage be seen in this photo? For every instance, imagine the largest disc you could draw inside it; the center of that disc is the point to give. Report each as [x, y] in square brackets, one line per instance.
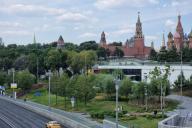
[162, 55]
[83, 60]
[21, 63]
[102, 53]
[88, 45]
[159, 79]
[186, 54]
[180, 78]
[25, 79]
[126, 88]
[71, 47]
[117, 44]
[59, 85]
[75, 61]
[110, 87]
[84, 86]
[3, 78]
[153, 54]
[32, 66]
[53, 59]
[172, 55]
[118, 52]
[139, 91]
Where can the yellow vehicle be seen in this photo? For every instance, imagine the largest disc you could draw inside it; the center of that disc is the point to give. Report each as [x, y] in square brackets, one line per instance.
[53, 124]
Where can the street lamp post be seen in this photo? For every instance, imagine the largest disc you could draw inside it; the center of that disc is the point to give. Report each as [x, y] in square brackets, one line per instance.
[13, 70]
[49, 97]
[117, 82]
[161, 98]
[181, 73]
[146, 92]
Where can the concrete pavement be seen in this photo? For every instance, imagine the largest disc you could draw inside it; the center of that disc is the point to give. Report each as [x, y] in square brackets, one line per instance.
[14, 116]
[67, 118]
[185, 106]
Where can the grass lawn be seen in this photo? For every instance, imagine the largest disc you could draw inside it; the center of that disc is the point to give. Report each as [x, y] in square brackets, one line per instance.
[97, 106]
[144, 122]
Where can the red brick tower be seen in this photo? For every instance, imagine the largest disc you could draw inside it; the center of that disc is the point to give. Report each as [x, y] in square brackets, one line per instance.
[103, 41]
[139, 38]
[60, 42]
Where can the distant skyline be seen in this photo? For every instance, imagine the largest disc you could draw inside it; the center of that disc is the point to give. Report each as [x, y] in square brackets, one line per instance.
[83, 20]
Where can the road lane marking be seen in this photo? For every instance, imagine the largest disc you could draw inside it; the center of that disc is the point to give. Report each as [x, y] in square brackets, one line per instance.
[7, 121]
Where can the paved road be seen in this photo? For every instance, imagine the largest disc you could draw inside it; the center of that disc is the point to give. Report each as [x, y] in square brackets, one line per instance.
[13, 116]
[185, 107]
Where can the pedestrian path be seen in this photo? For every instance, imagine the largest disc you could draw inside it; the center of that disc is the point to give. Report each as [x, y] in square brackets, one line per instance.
[185, 106]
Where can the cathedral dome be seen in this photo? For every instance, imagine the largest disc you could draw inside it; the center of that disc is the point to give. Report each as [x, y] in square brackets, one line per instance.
[190, 34]
[177, 35]
[170, 35]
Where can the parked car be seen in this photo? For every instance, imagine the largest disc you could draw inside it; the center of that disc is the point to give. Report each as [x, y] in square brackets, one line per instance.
[53, 124]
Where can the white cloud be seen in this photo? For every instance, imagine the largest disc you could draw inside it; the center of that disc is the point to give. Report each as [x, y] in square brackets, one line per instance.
[7, 24]
[154, 1]
[151, 38]
[170, 24]
[126, 30]
[15, 33]
[175, 3]
[29, 9]
[72, 17]
[164, 5]
[76, 28]
[88, 35]
[103, 4]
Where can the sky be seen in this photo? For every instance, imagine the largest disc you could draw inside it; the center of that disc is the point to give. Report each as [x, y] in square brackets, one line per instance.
[83, 20]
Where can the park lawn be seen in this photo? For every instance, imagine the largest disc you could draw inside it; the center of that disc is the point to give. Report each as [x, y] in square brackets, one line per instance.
[143, 122]
[92, 106]
[97, 106]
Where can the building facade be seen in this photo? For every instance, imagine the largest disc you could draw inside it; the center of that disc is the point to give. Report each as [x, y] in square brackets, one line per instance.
[60, 42]
[137, 70]
[133, 48]
[179, 40]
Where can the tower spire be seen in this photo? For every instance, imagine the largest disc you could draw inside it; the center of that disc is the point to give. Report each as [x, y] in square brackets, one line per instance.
[163, 41]
[138, 19]
[152, 45]
[138, 32]
[34, 39]
[103, 39]
[179, 28]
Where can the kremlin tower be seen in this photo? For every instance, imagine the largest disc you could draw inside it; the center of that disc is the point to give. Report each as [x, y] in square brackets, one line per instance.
[133, 47]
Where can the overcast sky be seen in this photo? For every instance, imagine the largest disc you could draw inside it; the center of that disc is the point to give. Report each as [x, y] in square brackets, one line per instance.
[83, 20]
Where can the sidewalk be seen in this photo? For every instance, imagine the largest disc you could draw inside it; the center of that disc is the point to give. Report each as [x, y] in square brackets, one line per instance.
[72, 116]
[185, 106]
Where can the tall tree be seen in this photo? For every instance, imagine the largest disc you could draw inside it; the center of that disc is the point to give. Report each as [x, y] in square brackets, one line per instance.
[25, 80]
[101, 53]
[162, 55]
[153, 54]
[172, 55]
[88, 45]
[118, 52]
[125, 88]
[53, 59]
[110, 87]
[21, 63]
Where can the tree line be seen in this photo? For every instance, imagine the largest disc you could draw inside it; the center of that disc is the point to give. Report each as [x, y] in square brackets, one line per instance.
[171, 55]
